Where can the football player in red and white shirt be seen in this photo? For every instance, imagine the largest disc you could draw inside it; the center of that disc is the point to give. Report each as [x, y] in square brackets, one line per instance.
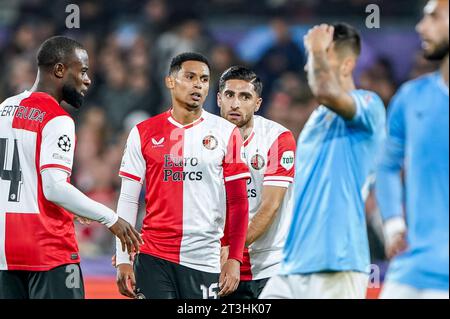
[38, 249]
[195, 179]
[269, 153]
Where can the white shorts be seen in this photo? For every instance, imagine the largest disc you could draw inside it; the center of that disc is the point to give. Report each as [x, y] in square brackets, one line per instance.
[395, 290]
[339, 285]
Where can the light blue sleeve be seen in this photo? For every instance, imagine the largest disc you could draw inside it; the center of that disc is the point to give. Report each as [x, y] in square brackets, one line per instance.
[370, 111]
[389, 189]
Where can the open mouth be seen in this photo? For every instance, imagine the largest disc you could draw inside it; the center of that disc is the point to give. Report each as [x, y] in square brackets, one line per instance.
[234, 115]
[426, 44]
[196, 96]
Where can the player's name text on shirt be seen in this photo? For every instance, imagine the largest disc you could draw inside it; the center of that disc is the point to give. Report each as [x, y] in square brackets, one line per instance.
[23, 112]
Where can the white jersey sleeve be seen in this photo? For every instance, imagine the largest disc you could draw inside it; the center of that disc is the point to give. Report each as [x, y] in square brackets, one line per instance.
[59, 191]
[133, 162]
[127, 208]
[58, 144]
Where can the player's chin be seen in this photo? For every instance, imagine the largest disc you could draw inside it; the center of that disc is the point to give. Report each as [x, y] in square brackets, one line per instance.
[195, 105]
[234, 121]
[436, 52]
[434, 55]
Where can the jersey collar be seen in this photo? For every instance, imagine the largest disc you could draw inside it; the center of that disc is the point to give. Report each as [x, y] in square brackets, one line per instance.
[187, 126]
[249, 138]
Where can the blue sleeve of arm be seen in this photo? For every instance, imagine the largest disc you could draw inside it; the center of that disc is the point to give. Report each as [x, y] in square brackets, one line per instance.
[370, 112]
[389, 188]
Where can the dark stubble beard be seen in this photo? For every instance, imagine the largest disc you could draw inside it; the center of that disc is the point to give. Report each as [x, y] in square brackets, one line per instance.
[439, 53]
[72, 97]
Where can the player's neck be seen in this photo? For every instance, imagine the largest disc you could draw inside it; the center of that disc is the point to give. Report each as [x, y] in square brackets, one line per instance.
[40, 85]
[246, 129]
[444, 69]
[186, 116]
[348, 84]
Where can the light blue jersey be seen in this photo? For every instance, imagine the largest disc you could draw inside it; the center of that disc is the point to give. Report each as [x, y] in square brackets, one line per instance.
[418, 129]
[335, 159]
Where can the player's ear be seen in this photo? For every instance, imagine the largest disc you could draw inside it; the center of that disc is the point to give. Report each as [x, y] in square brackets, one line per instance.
[170, 82]
[219, 99]
[258, 104]
[347, 66]
[59, 70]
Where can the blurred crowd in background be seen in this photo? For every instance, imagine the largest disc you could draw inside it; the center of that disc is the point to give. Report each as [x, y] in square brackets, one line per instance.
[130, 44]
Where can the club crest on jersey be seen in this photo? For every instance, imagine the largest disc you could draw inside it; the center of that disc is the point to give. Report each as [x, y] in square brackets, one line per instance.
[257, 162]
[64, 143]
[210, 142]
[158, 143]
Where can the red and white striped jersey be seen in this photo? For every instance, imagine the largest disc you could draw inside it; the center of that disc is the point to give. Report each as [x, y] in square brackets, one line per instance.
[35, 134]
[269, 153]
[185, 168]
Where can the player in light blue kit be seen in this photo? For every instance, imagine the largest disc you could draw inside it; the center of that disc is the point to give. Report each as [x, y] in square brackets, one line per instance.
[418, 130]
[326, 254]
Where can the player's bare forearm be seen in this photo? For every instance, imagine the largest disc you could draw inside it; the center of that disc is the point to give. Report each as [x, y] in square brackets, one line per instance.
[325, 86]
[272, 197]
[321, 80]
[260, 224]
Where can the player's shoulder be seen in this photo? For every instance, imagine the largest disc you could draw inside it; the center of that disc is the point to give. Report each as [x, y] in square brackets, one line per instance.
[418, 85]
[16, 99]
[215, 119]
[46, 103]
[268, 127]
[154, 120]
[368, 97]
[40, 107]
[218, 123]
[151, 125]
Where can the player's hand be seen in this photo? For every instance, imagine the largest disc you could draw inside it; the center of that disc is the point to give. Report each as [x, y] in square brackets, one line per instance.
[129, 237]
[319, 38]
[229, 277]
[114, 260]
[126, 281]
[396, 244]
[224, 251]
[83, 220]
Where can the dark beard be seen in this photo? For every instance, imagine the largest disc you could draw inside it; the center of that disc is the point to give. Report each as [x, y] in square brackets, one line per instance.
[72, 97]
[439, 53]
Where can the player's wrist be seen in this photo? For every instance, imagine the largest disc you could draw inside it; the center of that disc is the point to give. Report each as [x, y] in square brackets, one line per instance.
[111, 220]
[123, 264]
[393, 227]
[234, 261]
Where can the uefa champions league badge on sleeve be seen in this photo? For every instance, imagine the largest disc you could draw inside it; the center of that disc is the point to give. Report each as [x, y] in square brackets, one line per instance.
[64, 143]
